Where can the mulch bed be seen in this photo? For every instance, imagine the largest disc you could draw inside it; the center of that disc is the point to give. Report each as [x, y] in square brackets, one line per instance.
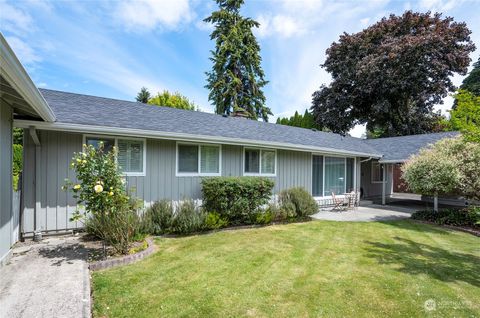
[473, 231]
[124, 259]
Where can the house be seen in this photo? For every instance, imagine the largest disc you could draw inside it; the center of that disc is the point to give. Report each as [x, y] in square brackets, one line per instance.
[165, 152]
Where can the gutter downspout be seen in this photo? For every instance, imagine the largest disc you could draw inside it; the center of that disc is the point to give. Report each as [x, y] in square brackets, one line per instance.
[36, 141]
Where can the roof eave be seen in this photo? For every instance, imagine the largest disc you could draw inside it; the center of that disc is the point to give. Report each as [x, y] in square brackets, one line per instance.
[107, 130]
[18, 78]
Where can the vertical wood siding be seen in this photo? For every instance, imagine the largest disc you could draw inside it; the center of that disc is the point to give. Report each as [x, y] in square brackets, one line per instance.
[6, 221]
[294, 169]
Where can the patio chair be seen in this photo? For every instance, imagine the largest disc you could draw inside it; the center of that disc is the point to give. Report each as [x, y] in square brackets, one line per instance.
[339, 203]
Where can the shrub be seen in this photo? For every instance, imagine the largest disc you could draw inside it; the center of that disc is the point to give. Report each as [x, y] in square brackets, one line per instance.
[264, 217]
[214, 221]
[158, 218]
[297, 203]
[460, 217]
[110, 213]
[236, 198]
[448, 166]
[17, 164]
[187, 219]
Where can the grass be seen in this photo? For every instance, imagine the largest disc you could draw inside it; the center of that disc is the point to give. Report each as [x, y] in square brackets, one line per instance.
[314, 269]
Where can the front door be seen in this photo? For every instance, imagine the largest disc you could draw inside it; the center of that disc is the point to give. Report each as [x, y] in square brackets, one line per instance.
[317, 176]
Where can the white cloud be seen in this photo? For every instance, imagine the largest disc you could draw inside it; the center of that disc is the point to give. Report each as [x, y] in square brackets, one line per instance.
[42, 84]
[439, 5]
[15, 20]
[24, 52]
[146, 15]
[280, 25]
[204, 26]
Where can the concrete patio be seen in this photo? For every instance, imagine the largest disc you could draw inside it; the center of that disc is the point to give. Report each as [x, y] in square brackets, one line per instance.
[46, 279]
[368, 213]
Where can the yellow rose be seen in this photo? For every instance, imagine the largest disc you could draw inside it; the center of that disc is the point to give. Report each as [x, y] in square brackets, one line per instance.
[76, 187]
[84, 161]
[78, 160]
[98, 188]
[110, 193]
[72, 164]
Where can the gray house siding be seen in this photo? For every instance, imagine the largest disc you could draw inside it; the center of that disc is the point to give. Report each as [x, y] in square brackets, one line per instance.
[160, 181]
[374, 189]
[56, 206]
[6, 213]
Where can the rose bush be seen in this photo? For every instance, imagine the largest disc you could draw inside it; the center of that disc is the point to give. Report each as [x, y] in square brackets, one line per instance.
[102, 200]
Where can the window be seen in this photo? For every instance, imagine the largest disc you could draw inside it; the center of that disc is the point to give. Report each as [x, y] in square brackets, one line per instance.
[259, 162]
[108, 143]
[130, 155]
[334, 175]
[131, 152]
[198, 160]
[377, 172]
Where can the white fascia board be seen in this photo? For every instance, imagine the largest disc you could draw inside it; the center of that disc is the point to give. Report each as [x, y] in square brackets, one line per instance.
[154, 134]
[17, 77]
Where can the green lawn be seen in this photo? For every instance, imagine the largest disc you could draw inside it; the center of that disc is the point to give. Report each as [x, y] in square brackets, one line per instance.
[314, 269]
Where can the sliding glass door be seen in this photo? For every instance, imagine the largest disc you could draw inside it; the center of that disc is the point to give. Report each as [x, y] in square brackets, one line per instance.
[332, 175]
[317, 177]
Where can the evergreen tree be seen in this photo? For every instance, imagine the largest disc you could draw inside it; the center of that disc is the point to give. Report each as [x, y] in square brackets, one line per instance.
[237, 78]
[304, 121]
[143, 96]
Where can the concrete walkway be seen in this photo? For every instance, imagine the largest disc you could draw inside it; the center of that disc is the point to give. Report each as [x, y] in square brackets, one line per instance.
[366, 214]
[47, 279]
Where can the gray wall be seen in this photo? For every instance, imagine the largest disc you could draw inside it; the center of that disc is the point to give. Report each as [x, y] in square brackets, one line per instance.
[5, 180]
[371, 189]
[56, 206]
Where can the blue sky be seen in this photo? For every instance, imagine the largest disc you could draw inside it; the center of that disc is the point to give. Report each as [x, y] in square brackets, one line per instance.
[112, 48]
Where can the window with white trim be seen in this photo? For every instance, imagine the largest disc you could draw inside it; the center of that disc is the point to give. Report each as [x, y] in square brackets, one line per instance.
[259, 162]
[195, 159]
[377, 171]
[131, 152]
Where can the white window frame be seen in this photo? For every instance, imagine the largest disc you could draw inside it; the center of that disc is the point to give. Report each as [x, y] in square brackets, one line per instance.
[381, 172]
[323, 196]
[198, 173]
[260, 163]
[116, 138]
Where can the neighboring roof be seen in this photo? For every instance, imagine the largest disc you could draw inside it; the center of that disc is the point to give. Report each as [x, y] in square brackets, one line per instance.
[399, 149]
[126, 116]
[17, 88]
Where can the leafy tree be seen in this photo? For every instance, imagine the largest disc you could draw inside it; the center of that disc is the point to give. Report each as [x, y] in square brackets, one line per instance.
[466, 116]
[143, 96]
[237, 78]
[304, 121]
[391, 74]
[18, 136]
[175, 100]
[448, 166]
[471, 83]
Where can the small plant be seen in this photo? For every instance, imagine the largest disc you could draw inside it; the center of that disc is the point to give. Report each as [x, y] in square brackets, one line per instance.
[109, 213]
[188, 218]
[158, 218]
[264, 217]
[297, 203]
[214, 220]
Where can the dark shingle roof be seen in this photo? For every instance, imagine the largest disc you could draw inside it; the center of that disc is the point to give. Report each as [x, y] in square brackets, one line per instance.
[98, 111]
[398, 149]
[74, 108]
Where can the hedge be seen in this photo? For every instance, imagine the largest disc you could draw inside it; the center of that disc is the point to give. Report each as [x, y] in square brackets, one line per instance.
[236, 199]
